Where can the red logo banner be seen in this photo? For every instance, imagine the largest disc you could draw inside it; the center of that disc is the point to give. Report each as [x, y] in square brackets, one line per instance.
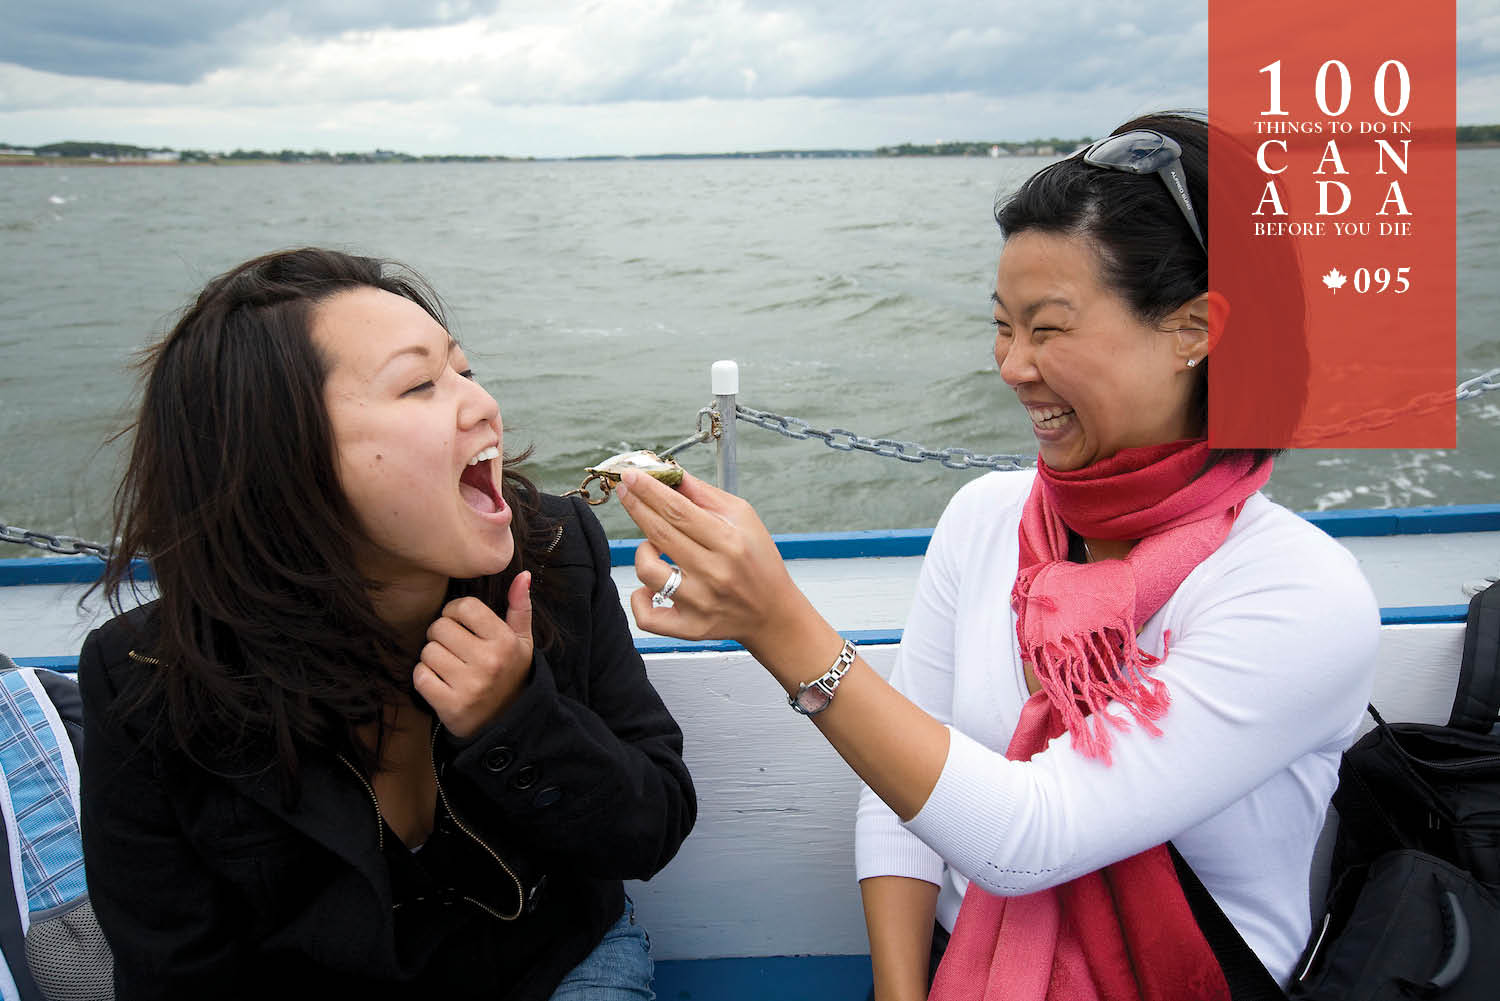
[1332, 224]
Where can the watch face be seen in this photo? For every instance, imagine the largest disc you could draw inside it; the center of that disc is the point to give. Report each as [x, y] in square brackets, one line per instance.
[813, 699]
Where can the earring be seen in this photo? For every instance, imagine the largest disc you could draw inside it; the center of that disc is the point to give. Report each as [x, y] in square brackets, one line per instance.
[1192, 362]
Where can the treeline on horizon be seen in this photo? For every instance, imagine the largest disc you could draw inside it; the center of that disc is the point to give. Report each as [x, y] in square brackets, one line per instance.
[1465, 134]
[1032, 146]
[126, 151]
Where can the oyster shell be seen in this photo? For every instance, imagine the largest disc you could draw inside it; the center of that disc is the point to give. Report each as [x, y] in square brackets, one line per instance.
[667, 470]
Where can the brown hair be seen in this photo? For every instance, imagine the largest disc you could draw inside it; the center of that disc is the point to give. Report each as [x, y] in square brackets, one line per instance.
[265, 627]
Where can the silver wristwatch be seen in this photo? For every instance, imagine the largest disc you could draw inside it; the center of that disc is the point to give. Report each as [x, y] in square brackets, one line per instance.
[814, 696]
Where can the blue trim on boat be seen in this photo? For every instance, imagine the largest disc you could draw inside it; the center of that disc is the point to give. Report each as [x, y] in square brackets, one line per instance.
[1409, 520]
[665, 644]
[61, 570]
[1407, 616]
[1411, 615]
[65, 665]
[819, 545]
[785, 978]
[913, 541]
[892, 542]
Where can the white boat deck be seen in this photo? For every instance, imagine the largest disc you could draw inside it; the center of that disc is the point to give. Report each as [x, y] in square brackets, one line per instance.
[870, 594]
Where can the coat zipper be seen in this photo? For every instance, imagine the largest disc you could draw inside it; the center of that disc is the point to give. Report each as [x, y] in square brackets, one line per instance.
[379, 822]
[555, 540]
[443, 795]
[447, 808]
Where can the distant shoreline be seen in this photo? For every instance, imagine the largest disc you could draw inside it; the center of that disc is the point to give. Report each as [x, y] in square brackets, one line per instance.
[8, 159]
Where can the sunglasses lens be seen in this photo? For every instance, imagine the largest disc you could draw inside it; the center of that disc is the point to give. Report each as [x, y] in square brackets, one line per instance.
[1137, 152]
[1148, 152]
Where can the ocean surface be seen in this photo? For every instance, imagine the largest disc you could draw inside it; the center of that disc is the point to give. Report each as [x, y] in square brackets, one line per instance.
[592, 299]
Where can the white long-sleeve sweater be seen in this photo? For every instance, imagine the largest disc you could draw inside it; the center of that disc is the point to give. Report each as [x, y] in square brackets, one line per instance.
[1273, 641]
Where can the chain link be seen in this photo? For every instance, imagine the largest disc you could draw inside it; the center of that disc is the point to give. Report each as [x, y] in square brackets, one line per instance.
[1384, 417]
[714, 430]
[843, 440]
[1482, 383]
[65, 545]
[961, 458]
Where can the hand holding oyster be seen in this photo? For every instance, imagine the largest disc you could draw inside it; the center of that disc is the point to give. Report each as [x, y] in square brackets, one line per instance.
[609, 471]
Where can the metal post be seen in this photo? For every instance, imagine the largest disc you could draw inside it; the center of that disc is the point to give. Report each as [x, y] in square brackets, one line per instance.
[725, 377]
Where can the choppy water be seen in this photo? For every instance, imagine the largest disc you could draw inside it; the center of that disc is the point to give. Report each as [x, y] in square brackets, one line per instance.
[592, 298]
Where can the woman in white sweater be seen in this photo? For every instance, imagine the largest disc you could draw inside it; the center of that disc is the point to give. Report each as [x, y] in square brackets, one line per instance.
[1129, 647]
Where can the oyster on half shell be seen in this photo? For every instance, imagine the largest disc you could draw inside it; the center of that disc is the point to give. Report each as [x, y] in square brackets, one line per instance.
[611, 469]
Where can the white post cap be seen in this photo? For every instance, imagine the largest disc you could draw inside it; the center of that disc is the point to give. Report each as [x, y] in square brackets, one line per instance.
[725, 378]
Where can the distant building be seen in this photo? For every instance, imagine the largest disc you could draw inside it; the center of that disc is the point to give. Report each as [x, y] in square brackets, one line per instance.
[163, 156]
[17, 152]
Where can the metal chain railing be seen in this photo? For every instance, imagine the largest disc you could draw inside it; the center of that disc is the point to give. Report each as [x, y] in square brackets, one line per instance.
[65, 545]
[843, 440]
[1482, 383]
[891, 448]
[714, 430]
[962, 458]
[1384, 417]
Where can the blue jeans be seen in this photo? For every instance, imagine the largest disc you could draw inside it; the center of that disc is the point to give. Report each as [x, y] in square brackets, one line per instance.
[619, 968]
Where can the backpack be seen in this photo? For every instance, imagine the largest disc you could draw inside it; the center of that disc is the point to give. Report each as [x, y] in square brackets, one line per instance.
[1414, 909]
[51, 947]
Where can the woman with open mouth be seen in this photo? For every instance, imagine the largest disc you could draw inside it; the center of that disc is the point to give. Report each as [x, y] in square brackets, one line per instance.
[384, 732]
[1129, 647]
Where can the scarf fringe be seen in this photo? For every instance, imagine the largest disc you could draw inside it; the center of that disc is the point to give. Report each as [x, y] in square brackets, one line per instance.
[1082, 673]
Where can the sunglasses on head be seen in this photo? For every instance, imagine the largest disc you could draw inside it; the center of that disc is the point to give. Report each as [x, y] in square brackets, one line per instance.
[1145, 151]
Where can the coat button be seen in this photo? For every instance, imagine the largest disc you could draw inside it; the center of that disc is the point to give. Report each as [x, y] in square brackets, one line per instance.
[525, 778]
[498, 759]
[547, 797]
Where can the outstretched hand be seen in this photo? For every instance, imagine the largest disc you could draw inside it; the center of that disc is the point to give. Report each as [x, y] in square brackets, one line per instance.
[734, 584]
[475, 663]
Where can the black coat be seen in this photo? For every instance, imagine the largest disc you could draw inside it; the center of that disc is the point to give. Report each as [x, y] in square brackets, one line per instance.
[208, 886]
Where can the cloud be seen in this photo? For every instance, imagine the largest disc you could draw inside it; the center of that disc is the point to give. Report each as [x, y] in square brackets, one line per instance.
[629, 76]
[585, 51]
[590, 51]
[178, 41]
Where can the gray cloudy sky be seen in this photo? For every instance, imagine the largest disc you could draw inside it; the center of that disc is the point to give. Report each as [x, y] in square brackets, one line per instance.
[572, 77]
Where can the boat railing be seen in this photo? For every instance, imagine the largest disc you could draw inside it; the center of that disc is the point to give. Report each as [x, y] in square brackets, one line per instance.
[724, 379]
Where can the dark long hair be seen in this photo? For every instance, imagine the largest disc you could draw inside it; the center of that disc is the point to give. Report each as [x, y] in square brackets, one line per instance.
[1149, 255]
[265, 639]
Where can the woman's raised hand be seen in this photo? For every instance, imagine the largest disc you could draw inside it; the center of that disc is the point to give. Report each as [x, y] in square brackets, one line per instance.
[734, 584]
[475, 662]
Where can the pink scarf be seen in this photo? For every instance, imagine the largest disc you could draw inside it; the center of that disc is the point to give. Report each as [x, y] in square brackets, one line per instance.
[1125, 932]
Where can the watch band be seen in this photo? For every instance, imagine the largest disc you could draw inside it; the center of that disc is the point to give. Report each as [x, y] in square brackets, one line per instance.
[814, 696]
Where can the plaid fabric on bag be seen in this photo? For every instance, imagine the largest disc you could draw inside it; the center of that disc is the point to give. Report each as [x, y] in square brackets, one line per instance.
[38, 799]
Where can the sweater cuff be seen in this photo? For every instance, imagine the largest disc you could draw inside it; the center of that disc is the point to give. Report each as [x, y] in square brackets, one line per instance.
[971, 808]
[884, 847]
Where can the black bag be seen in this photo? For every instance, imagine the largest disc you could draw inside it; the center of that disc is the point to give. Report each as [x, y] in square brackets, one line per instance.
[1414, 911]
[1416, 927]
